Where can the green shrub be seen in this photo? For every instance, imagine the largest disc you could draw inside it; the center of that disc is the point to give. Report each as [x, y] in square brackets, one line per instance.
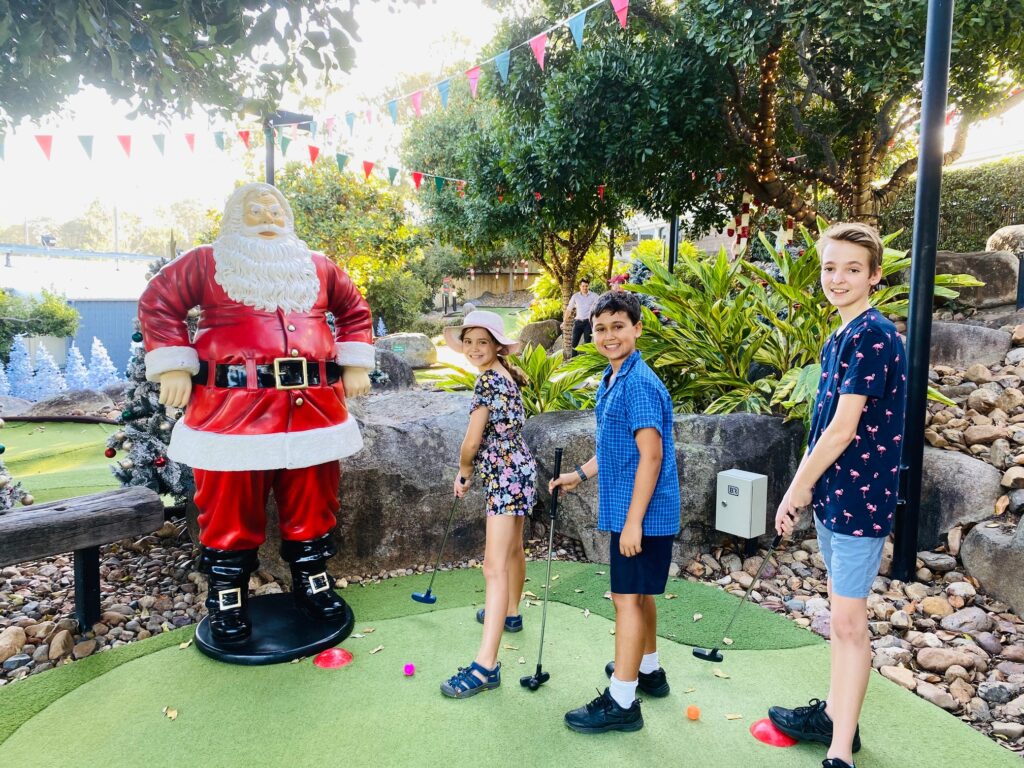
[50, 316]
[397, 296]
[426, 326]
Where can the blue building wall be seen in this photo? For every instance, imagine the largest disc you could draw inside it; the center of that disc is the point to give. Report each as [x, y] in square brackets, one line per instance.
[112, 322]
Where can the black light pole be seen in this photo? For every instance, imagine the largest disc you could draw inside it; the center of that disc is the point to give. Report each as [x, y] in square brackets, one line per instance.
[673, 242]
[280, 118]
[938, 39]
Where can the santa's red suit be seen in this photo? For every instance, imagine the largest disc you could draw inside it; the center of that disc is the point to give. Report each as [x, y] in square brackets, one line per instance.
[245, 439]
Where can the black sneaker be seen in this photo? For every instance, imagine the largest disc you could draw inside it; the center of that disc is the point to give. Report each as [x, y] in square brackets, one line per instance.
[604, 714]
[808, 723]
[835, 762]
[652, 683]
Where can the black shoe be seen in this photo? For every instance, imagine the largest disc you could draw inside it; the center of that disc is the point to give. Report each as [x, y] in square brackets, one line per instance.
[604, 714]
[312, 587]
[808, 723]
[835, 762]
[652, 683]
[228, 598]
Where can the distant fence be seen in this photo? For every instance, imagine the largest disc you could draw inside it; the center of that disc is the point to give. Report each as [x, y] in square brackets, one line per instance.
[962, 228]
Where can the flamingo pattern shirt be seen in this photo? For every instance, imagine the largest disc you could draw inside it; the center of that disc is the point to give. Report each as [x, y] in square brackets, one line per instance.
[857, 495]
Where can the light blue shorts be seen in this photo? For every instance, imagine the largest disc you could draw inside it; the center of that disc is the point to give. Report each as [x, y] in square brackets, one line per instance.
[852, 561]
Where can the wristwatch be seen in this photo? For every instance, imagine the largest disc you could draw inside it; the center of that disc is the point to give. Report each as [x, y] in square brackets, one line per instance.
[581, 473]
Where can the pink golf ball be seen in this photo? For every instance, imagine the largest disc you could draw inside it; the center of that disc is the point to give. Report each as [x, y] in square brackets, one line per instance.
[409, 670]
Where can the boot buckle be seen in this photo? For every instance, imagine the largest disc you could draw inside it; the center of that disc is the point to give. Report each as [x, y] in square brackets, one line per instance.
[318, 583]
[229, 598]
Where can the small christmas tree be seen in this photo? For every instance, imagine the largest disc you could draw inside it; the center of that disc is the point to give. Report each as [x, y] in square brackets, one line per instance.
[76, 375]
[49, 381]
[5, 384]
[20, 370]
[145, 434]
[10, 492]
[101, 368]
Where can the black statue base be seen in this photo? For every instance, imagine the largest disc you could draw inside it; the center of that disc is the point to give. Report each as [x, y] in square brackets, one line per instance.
[281, 632]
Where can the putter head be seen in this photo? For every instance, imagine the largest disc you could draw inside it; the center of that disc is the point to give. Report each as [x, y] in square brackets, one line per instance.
[533, 682]
[708, 654]
[424, 597]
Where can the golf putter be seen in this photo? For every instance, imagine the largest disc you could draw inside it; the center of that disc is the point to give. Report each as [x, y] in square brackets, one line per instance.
[713, 654]
[538, 678]
[428, 597]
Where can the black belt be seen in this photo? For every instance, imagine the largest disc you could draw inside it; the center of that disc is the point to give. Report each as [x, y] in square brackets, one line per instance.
[283, 373]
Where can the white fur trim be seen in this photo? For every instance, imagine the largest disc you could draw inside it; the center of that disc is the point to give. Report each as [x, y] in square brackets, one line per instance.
[356, 354]
[281, 450]
[164, 359]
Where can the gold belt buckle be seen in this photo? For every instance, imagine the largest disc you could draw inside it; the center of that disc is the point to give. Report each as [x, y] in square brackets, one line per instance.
[229, 598]
[291, 361]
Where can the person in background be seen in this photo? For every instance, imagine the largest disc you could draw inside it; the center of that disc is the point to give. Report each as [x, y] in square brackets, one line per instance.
[582, 303]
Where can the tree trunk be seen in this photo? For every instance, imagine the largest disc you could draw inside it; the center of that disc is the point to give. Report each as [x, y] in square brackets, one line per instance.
[611, 254]
[566, 287]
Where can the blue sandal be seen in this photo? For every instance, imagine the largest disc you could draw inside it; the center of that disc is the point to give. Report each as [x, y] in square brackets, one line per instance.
[464, 683]
[512, 623]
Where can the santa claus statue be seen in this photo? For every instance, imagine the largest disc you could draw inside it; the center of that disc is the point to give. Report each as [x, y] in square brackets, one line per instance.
[265, 381]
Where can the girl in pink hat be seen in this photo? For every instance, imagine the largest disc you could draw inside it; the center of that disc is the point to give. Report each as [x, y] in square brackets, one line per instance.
[494, 450]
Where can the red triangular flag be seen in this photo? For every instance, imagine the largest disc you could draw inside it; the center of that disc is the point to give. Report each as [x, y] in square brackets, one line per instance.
[367, 168]
[417, 102]
[473, 75]
[621, 8]
[126, 144]
[45, 142]
[190, 139]
[417, 178]
[538, 44]
[314, 153]
[600, 191]
[244, 136]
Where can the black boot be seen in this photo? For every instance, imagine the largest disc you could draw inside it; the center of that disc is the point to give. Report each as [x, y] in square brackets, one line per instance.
[228, 599]
[312, 587]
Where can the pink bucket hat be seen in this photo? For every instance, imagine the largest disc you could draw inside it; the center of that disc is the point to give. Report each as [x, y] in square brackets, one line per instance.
[479, 318]
[618, 279]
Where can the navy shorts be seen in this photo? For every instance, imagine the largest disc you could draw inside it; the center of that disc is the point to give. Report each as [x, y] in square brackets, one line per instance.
[643, 574]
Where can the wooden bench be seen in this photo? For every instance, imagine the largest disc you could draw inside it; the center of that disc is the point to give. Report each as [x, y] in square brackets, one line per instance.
[79, 525]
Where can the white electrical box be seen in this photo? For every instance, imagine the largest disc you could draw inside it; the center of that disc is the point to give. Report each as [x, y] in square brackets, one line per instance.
[741, 503]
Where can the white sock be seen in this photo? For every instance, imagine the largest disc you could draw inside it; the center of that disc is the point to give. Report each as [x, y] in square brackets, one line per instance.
[649, 663]
[623, 693]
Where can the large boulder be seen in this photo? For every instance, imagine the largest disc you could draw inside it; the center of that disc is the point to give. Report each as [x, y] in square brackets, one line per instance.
[1009, 238]
[543, 333]
[961, 346]
[705, 446]
[955, 489]
[78, 402]
[996, 269]
[416, 349]
[399, 372]
[13, 406]
[995, 557]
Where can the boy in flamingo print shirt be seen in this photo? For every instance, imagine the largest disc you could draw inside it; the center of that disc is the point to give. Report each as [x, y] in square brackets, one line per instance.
[849, 477]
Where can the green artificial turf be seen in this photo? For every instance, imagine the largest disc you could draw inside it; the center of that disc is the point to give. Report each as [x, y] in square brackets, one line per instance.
[58, 460]
[108, 709]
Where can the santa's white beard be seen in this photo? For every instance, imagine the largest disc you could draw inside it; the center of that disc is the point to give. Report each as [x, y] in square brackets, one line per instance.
[267, 274]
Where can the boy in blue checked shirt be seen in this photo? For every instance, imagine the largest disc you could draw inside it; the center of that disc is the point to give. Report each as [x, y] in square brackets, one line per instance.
[638, 502]
[849, 476]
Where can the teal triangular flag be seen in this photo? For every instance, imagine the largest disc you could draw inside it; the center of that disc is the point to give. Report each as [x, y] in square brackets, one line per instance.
[392, 172]
[312, 129]
[158, 138]
[443, 87]
[350, 118]
[218, 138]
[285, 141]
[576, 24]
[438, 183]
[393, 109]
[501, 62]
[341, 160]
[86, 142]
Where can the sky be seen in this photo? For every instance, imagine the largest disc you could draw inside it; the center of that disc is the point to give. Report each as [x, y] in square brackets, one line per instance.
[415, 40]
[428, 39]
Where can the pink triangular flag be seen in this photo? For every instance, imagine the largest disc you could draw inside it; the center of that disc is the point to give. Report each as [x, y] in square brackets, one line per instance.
[45, 142]
[126, 144]
[329, 125]
[314, 153]
[367, 168]
[539, 44]
[473, 75]
[190, 139]
[417, 102]
[244, 136]
[417, 178]
[369, 116]
[621, 8]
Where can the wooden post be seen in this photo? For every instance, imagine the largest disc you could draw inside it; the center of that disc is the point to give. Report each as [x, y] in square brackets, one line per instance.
[87, 587]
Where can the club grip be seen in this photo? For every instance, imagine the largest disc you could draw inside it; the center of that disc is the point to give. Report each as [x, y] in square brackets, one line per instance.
[777, 540]
[554, 494]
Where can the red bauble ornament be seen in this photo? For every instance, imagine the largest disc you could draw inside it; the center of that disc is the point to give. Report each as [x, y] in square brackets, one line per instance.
[160, 461]
[110, 453]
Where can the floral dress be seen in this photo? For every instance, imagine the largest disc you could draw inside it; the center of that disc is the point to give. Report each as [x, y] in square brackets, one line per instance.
[504, 463]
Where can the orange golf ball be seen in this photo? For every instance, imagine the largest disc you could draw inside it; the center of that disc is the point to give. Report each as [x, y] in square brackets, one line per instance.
[693, 712]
